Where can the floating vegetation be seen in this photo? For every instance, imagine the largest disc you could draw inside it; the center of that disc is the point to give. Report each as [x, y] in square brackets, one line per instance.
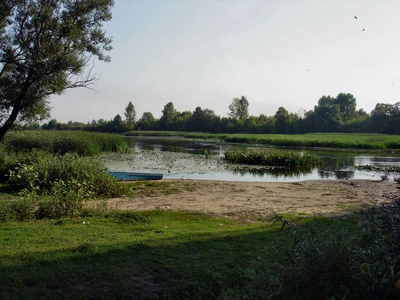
[272, 157]
[385, 169]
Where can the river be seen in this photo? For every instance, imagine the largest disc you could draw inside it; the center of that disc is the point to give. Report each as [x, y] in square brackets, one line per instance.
[202, 159]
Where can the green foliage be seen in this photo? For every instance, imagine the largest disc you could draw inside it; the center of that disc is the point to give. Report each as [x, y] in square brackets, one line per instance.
[53, 186]
[169, 115]
[320, 262]
[61, 175]
[130, 114]
[385, 118]
[44, 48]
[272, 157]
[81, 142]
[239, 109]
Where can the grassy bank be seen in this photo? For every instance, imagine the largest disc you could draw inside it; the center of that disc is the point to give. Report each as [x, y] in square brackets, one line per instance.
[171, 255]
[324, 140]
[61, 142]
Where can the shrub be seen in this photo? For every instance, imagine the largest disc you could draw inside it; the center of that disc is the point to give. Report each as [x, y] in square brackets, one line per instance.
[319, 262]
[63, 182]
[62, 174]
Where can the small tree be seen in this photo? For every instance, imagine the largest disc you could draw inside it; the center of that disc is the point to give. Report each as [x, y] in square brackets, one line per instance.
[239, 109]
[44, 46]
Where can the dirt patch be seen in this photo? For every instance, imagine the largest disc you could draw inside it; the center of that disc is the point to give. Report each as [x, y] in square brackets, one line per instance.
[251, 199]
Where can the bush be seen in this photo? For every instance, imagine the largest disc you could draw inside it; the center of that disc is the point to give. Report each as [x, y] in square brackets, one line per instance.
[319, 262]
[63, 174]
[63, 183]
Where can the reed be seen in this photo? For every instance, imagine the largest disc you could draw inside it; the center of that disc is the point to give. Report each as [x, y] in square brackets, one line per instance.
[354, 141]
[272, 157]
[81, 142]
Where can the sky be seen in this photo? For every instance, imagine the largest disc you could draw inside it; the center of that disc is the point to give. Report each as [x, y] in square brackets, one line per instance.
[276, 53]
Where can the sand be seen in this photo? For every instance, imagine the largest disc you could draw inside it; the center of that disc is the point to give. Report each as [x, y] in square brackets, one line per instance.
[254, 199]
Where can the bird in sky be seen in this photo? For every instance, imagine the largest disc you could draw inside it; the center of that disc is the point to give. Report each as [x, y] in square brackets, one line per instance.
[355, 17]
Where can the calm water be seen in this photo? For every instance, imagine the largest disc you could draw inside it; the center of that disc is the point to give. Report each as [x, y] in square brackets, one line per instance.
[338, 165]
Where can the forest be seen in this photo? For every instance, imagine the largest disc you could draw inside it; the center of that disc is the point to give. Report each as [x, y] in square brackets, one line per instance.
[331, 114]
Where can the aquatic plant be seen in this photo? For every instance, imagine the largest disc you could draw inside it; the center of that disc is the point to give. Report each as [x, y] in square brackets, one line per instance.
[272, 157]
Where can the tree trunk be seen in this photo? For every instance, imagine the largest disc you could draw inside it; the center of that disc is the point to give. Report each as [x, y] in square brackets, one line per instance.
[9, 123]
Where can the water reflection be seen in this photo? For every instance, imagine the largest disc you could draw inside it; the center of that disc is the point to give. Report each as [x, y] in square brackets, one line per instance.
[178, 145]
[337, 174]
[273, 172]
[337, 165]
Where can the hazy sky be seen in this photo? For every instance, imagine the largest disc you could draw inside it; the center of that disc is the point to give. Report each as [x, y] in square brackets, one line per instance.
[204, 53]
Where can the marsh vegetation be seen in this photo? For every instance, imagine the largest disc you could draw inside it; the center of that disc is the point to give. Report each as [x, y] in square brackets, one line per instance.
[359, 141]
[272, 157]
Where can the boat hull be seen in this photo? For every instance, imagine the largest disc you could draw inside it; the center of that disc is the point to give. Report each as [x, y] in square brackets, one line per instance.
[133, 176]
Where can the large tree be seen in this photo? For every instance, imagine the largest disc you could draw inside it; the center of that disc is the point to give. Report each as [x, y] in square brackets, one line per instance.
[281, 120]
[130, 113]
[45, 46]
[239, 108]
[347, 106]
[169, 114]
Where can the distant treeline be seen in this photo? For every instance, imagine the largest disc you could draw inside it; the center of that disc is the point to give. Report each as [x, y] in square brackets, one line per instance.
[331, 114]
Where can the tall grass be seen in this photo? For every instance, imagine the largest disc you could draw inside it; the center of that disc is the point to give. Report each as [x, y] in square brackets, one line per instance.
[326, 140]
[355, 141]
[81, 142]
[272, 157]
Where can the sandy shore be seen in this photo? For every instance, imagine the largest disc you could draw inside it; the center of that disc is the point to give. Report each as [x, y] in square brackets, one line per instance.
[252, 199]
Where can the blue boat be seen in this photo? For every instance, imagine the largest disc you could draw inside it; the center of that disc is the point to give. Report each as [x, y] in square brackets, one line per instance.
[132, 176]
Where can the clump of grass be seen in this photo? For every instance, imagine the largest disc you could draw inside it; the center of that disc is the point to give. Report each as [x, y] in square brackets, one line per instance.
[272, 157]
[81, 142]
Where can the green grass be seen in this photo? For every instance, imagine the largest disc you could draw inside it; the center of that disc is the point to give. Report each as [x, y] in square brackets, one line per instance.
[61, 142]
[323, 140]
[180, 255]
